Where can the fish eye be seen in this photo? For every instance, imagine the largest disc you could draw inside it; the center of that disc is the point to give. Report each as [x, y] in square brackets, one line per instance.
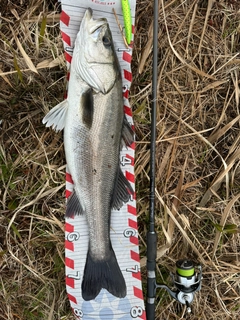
[106, 41]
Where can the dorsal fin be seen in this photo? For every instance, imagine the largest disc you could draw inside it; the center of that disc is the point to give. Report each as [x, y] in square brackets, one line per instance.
[122, 191]
[127, 133]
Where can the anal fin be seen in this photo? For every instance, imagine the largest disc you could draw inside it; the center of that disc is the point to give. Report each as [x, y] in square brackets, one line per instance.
[74, 206]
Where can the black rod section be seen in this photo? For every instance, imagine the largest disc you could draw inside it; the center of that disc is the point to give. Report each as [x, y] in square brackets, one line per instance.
[152, 236]
[153, 119]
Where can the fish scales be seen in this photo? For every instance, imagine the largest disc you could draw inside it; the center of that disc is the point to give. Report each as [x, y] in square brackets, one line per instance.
[105, 165]
[96, 151]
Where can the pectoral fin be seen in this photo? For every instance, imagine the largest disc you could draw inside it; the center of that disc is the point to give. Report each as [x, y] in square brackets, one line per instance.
[56, 116]
[87, 106]
[122, 191]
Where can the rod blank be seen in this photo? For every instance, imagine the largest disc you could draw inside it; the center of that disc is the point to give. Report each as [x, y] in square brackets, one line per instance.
[152, 236]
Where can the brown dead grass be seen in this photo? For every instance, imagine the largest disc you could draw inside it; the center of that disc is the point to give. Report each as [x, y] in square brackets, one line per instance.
[197, 161]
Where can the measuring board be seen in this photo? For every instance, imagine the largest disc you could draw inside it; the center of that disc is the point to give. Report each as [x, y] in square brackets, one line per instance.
[123, 231]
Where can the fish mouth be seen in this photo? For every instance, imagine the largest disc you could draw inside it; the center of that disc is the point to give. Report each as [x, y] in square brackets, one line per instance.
[93, 24]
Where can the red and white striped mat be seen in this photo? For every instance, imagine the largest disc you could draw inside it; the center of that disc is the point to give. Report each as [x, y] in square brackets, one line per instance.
[124, 231]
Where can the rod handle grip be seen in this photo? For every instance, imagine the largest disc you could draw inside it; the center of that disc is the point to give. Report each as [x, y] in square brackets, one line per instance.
[152, 247]
[150, 311]
[151, 279]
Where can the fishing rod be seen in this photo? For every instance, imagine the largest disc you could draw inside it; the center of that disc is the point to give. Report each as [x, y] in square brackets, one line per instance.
[151, 235]
[187, 279]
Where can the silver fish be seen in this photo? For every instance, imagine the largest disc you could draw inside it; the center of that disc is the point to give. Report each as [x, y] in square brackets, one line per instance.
[95, 130]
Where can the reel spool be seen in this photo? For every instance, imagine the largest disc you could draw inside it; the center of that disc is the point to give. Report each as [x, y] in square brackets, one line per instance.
[187, 282]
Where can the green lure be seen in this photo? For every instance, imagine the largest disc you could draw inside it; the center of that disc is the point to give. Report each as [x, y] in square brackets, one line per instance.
[127, 20]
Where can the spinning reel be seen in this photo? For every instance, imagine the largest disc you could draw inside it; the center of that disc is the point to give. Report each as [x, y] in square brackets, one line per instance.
[187, 282]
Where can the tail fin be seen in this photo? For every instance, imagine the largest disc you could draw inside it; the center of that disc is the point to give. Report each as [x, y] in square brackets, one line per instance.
[100, 274]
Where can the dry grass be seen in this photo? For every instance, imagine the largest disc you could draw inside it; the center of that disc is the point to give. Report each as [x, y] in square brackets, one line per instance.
[198, 155]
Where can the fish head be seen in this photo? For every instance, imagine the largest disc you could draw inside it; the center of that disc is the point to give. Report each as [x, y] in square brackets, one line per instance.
[94, 56]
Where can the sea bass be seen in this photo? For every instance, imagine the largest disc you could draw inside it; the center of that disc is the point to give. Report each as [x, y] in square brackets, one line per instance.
[95, 128]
